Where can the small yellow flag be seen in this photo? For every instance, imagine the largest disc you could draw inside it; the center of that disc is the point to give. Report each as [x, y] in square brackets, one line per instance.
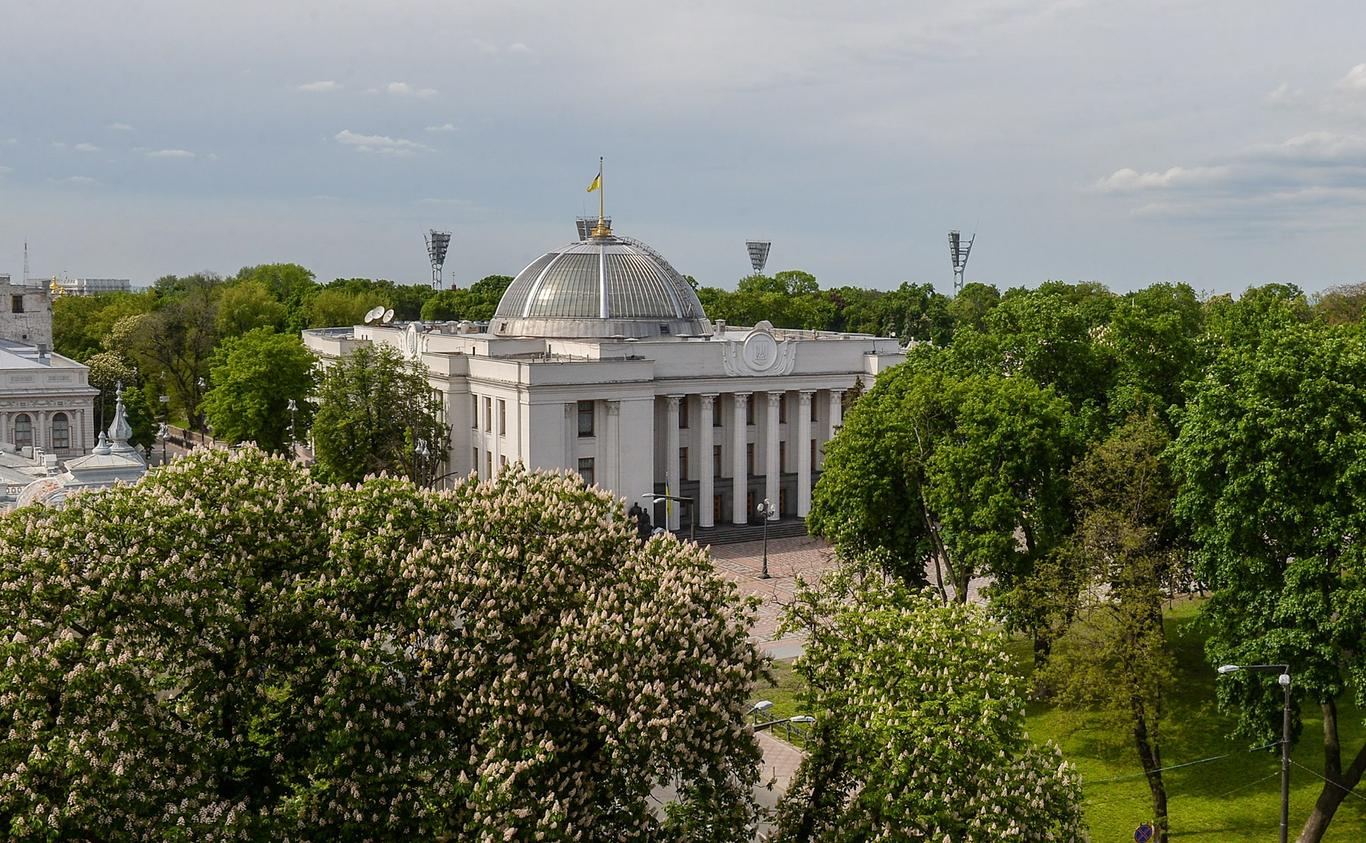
[597, 183]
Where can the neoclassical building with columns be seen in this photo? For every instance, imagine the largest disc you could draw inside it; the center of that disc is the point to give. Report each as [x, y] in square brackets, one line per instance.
[600, 360]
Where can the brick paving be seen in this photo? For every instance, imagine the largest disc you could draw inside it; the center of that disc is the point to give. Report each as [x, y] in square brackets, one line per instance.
[788, 558]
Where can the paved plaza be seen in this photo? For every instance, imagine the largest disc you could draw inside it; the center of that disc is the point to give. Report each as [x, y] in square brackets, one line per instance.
[788, 558]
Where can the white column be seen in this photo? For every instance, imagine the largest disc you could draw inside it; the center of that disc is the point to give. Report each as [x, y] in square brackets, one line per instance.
[571, 436]
[705, 479]
[671, 459]
[803, 445]
[739, 479]
[4, 428]
[836, 410]
[609, 476]
[41, 436]
[772, 467]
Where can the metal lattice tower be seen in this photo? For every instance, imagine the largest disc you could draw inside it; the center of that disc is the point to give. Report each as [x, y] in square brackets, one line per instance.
[758, 254]
[437, 244]
[959, 251]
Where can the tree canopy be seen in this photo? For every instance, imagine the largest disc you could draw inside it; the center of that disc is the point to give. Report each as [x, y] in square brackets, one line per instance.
[919, 726]
[255, 376]
[230, 650]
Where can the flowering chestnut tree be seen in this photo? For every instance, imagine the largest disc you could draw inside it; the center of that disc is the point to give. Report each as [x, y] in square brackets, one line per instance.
[919, 730]
[231, 650]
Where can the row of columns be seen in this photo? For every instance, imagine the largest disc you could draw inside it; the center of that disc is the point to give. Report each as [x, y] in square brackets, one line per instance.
[41, 425]
[739, 453]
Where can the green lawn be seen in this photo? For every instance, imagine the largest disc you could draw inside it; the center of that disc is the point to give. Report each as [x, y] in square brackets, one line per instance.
[1236, 798]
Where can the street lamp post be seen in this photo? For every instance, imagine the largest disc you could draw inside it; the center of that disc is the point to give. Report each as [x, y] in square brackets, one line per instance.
[692, 513]
[765, 508]
[1283, 678]
[163, 433]
[293, 407]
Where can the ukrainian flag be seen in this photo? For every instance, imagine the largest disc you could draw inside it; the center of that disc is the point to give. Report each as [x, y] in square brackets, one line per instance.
[596, 183]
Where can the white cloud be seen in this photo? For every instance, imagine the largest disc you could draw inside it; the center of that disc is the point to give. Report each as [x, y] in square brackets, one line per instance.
[379, 144]
[403, 89]
[444, 127]
[1355, 80]
[320, 87]
[58, 145]
[1127, 180]
[1283, 94]
[519, 48]
[5, 170]
[74, 180]
[170, 153]
[86, 147]
[120, 127]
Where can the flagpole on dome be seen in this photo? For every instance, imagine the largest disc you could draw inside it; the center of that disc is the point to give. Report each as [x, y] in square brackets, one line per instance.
[601, 230]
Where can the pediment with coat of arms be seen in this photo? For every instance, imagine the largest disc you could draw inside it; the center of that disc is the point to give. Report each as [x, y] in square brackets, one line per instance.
[759, 353]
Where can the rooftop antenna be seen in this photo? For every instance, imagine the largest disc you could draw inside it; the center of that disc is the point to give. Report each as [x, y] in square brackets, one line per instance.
[374, 313]
[758, 254]
[25, 263]
[388, 316]
[437, 244]
[959, 251]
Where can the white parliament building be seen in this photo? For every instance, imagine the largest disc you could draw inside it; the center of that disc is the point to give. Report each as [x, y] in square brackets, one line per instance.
[600, 360]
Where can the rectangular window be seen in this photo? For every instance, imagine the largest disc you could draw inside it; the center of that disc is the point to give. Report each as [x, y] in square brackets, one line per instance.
[716, 516]
[682, 464]
[813, 408]
[749, 459]
[749, 411]
[585, 418]
[474, 415]
[488, 415]
[715, 460]
[782, 456]
[683, 412]
[474, 460]
[502, 417]
[586, 470]
[782, 408]
[17, 304]
[813, 453]
[502, 460]
[488, 460]
[716, 413]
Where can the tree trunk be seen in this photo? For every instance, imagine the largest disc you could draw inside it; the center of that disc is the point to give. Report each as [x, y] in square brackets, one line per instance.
[1151, 758]
[1339, 781]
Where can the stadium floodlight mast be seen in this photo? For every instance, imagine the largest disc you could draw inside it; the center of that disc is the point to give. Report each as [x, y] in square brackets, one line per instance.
[758, 254]
[1282, 672]
[437, 244]
[959, 251]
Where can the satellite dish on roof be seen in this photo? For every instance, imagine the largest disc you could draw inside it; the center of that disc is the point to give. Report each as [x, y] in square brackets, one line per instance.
[374, 313]
[388, 316]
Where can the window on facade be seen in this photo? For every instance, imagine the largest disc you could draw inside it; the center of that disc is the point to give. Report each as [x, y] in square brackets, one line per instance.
[716, 414]
[715, 460]
[813, 453]
[502, 417]
[682, 464]
[488, 463]
[17, 304]
[488, 415]
[683, 412]
[502, 461]
[474, 460]
[782, 408]
[585, 418]
[23, 430]
[716, 515]
[813, 408]
[474, 415]
[586, 470]
[782, 456]
[749, 458]
[749, 412]
[61, 432]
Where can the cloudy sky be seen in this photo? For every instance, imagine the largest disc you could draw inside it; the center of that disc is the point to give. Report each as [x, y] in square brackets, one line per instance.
[1221, 143]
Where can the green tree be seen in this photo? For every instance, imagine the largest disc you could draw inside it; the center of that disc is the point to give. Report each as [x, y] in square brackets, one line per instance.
[1271, 459]
[245, 305]
[1114, 657]
[377, 413]
[255, 376]
[969, 308]
[175, 341]
[475, 303]
[933, 468]
[338, 307]
[920, 726]
[251, 655]
[1343, 304]
[1154, 337]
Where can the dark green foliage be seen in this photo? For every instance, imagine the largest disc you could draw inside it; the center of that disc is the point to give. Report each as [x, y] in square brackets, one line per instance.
[475, 303]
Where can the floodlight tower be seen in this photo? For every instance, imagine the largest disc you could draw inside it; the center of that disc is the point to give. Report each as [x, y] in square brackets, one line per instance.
[758, 254]
[437, 244]
[959, 251]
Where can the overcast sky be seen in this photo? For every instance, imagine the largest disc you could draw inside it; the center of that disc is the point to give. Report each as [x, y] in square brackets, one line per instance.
[1219, 143]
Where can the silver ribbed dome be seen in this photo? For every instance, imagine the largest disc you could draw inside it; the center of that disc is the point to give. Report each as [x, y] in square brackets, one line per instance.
[600, 287]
